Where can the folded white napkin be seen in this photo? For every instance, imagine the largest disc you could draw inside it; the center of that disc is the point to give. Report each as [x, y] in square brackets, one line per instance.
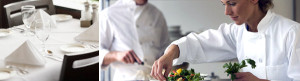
[26, 54]
[142, 75]
[91, 34]
[41, 14]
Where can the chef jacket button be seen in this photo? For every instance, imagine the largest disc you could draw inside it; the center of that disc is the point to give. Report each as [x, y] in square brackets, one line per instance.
[261, 36]
[137, 26]
[260, 60]
[141, 43]
[131, 9]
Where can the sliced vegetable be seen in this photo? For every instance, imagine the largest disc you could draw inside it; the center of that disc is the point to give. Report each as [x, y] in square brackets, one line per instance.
[184, 75]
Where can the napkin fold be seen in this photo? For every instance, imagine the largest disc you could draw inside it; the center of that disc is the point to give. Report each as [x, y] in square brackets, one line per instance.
[26, 54]
[41, 14]
[91, 34]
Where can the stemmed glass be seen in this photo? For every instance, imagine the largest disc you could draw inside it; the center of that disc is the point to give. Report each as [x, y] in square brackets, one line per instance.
[42, 31]
[28, 16]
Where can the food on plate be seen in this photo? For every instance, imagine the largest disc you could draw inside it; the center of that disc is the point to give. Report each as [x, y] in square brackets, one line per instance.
[184, 75]
[235, 67]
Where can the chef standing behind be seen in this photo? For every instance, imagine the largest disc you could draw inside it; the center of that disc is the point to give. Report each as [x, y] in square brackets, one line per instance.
[258, 33]
[131, 32]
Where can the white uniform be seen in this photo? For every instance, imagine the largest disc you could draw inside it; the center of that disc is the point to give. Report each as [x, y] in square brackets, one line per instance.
[125, 26]
[275, 47]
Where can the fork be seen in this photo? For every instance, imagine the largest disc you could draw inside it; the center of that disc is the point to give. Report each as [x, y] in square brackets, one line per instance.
[21, 30]
[22, 71]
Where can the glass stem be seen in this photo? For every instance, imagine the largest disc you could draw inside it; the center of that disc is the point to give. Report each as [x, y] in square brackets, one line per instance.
[44, 48]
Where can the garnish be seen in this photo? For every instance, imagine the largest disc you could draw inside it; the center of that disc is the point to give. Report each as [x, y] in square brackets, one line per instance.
[235, 67]
[184, 75]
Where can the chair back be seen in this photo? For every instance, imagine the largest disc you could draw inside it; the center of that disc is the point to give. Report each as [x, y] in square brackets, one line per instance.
[89, 72]
[13, 10]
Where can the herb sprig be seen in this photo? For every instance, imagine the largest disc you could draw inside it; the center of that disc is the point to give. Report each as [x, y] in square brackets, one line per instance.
[235, 67]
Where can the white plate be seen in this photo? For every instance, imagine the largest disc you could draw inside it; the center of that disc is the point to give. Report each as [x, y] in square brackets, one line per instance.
[5, 73]
[4, 32]
[61, 17]
[71, 48]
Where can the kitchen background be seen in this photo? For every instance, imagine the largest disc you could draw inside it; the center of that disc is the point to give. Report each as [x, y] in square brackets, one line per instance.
[184, 16]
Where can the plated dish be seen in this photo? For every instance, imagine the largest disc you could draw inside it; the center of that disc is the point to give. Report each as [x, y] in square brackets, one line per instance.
[5, 73]
[4, 32]
[72, 48]
[184, 75]
[62, 17]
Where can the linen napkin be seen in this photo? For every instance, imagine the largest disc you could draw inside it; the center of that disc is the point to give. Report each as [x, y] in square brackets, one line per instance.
[91, 34]
[143, 75]
[26, 54]
[41, 14]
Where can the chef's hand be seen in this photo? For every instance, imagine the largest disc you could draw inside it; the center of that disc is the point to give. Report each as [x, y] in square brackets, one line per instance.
[246, 76]
[164, 62]
[127, 57]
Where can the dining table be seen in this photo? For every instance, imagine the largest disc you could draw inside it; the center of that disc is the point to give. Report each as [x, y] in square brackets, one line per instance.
[62, 34]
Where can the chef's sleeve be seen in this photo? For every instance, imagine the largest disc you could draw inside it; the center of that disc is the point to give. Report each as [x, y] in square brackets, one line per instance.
[106, 38]
[209, 46]
[293, 45]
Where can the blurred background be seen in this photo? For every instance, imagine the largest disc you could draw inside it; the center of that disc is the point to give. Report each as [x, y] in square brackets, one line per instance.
[72, 7]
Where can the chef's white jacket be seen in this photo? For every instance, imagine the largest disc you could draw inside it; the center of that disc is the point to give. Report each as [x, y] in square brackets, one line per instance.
[125, 26]
[275, 47]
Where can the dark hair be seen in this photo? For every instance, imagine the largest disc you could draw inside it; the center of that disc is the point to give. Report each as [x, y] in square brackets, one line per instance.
[265, 5]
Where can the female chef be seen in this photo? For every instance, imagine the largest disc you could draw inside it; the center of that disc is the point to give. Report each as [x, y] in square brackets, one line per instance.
[270, 39]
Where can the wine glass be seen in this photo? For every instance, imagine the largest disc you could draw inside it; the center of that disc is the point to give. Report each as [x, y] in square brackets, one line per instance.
[28, 16]
[42, 31]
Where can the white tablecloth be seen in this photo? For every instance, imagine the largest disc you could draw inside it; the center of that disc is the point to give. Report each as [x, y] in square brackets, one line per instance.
[63, 34]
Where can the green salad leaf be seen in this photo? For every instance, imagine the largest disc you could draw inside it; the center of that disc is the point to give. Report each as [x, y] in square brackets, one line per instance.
[184, 75]
[235, 67]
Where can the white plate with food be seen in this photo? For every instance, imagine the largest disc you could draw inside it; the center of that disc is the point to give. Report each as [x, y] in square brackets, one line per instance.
[5, 73]
[4, 32]
[72, 48]
[62, 17]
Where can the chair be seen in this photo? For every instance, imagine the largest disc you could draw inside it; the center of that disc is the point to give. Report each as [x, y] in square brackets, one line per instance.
[13, 10]
[89, 72]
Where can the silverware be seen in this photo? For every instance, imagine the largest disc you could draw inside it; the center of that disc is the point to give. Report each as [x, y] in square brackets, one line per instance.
[54, 57]
[21, 30]
[92, 46]
[22, 71]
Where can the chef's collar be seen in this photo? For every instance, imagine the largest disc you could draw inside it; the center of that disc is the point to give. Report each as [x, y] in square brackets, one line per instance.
[265, 22]
[132, 2]
[139, 10]
[129, 2]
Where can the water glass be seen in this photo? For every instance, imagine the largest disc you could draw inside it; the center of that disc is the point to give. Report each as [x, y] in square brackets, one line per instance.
[42, 31]
[28, 16]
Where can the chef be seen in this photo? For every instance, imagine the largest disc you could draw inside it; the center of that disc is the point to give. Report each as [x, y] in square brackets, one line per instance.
[271, 40]
[133, 34]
